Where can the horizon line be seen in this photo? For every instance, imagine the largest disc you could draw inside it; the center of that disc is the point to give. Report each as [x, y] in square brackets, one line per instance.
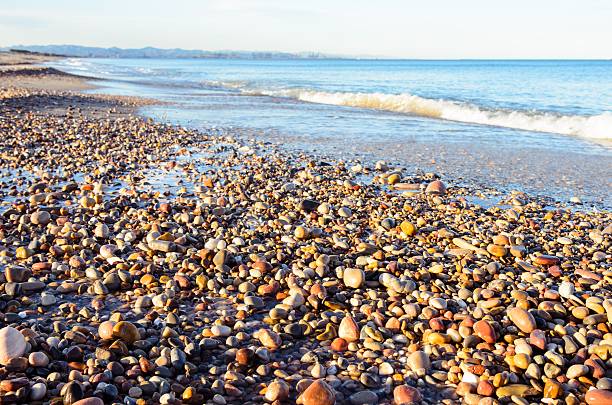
[324, 55]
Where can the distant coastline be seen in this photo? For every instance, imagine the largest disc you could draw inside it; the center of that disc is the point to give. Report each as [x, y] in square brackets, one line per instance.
[159, 53]
[79, 51]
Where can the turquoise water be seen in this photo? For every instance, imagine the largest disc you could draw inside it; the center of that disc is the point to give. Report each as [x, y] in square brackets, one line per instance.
[513, 122]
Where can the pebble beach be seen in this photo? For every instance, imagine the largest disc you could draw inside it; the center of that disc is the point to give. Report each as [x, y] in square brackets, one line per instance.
[145, 263]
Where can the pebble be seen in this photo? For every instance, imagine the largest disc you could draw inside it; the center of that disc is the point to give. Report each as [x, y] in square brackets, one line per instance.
[89, 401]
[278, 390]
[419, 361]
[364, 398]
[485, 331]
[348, 330]
[221, 330]
[181, 266]
[354, 278]
[38, 391]
[598, 397]
[436, 187]
[406, 395]
[12, 345]
[40, 218]
[126, 331]
[268, 338]
[318, 393]
[522, 319]
[38, 359]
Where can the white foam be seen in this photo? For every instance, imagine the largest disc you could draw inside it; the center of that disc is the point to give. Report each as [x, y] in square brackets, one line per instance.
[594, 126]
[226, 84]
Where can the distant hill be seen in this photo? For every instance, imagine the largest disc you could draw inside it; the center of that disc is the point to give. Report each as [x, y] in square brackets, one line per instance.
[150, 52]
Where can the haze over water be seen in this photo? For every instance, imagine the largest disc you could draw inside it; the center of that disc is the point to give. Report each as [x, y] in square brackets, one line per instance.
[540, 126]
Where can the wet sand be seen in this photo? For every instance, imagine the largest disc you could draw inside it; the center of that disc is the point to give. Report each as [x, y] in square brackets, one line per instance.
[572, 178]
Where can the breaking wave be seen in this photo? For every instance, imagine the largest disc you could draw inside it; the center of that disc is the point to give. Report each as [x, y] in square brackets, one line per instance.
[594, 126]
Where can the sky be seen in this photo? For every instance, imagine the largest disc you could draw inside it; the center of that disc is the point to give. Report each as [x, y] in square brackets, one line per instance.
[423, 29]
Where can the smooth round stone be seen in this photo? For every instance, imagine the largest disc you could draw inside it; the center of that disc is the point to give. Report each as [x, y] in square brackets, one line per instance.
[301, 232]
[254, 301]
[278, 390]
[533, 371]
[353, 278]
[159, 301]
[221, 330]
[577, 370]
[521, 360]
[12, 344]
[217, 399]
[497, 250]
[436, 187]
[393, 178]
[538, 339]
[552, 389]
[101, 231]
[40, 218]
[107, 251]
[278, 313]
[604, 384]
[385, 369]
[38, 359]
[126, 331]
[143, 302]
[580, 312]
[38, 391]
[598, 397]
[87, 202]
[522, 319]
[408, 228]
[406, 395]
[135, 392]
[345, 212]
[244, 356]
[294, 300]
[419, 360]
[438, 338]
[246, 287]
[105, 330]
[438, 303]
[364, 398]
[339, 345]
[387, 223]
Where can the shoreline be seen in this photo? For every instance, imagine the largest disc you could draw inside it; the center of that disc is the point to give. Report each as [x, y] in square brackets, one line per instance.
[566, 169]
[161, 264]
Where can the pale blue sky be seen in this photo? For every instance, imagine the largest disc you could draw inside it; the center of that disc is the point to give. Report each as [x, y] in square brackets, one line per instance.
[395, 28]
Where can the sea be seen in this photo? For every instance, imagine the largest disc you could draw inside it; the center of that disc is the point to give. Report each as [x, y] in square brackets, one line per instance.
[543, 127]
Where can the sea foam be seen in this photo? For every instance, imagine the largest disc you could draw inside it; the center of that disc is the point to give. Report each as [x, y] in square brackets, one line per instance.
[593, 126]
